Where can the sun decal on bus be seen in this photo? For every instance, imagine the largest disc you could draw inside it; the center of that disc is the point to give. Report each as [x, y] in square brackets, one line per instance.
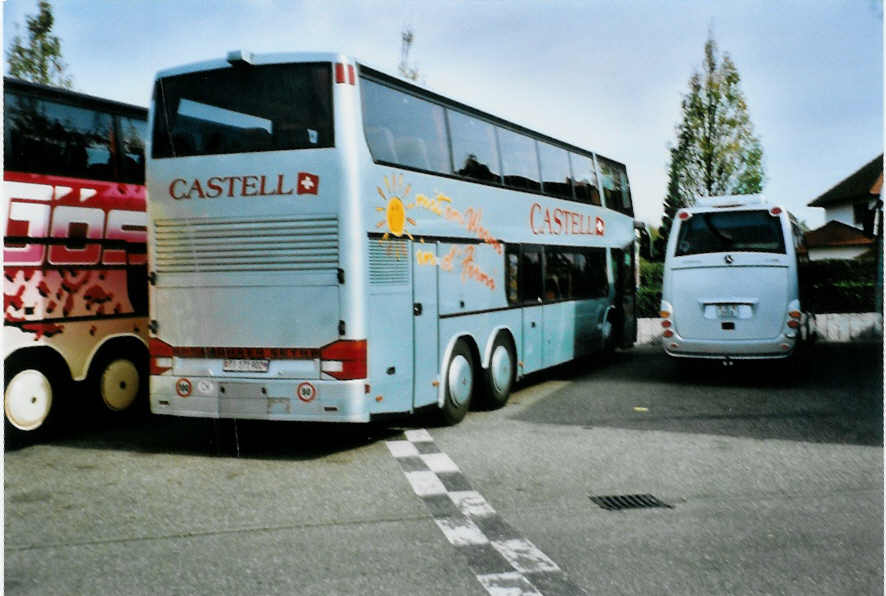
[395, 213]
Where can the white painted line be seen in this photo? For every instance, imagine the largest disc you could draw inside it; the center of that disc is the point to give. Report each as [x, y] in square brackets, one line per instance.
[439, 462]
[419, 436]
[524, 556]
[471, 503]
[402, 448]
[425, 483]
[461, 532]
[507, 584]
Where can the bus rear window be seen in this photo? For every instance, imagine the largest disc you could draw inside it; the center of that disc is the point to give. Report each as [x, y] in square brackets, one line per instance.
[732, 231]
[273, 107]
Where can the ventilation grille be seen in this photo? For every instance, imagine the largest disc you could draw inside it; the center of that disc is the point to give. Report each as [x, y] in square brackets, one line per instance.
[231, 244]
[388, 261]
[619, 502]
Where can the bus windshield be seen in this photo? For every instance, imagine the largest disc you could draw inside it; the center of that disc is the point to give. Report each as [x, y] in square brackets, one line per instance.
[747, 231]
[243, 109]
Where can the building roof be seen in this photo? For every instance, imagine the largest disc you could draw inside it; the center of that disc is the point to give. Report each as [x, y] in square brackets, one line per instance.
[835, 234]
[858, 185]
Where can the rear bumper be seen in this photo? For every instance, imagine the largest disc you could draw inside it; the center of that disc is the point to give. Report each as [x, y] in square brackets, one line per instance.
[260, 399]
[743, 349]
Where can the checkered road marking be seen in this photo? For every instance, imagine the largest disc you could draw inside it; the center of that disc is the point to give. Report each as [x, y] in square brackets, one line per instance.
[504, 562]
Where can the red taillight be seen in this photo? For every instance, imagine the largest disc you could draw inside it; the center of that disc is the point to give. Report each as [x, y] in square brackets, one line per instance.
[795, 314]
[345, 359]
[161, 356]
[666, 323]
[683, 215]
[668, 333]
[775, 211]
[339, 72]
[793, 324]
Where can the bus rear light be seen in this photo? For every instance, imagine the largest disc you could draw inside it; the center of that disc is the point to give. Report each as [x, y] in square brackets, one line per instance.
[665, 314]
[793, 324]
[344, 359]
[775, 211]
[684, 215]
[795, 314]
[161, 356]
[341, 77]
[666, 323]
[668, 333]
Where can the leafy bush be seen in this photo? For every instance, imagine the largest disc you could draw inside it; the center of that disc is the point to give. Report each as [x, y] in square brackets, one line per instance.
[839, 286]
[830, 286]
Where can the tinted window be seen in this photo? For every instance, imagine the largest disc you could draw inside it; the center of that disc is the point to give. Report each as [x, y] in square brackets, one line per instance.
[243, 109]
[575, 273]
[474, 151]
[614, 180]
[555, 171]
[530, 280]
[132, 150]
[584, 179]
[519, 161]
[512, 273]
[730, 231]
[47, 137]
[404, 129]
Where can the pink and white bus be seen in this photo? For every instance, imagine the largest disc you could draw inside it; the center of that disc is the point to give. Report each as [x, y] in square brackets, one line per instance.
[328, 242]
[74, 255]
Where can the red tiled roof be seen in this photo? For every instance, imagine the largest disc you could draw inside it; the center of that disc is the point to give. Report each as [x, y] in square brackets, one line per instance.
[857, 185]
[835, 233]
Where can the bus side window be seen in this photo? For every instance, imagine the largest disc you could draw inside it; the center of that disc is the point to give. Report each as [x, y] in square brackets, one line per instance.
[519, 160]
[512, 273]
[417, 128]
[132, 150]
[530, 276]
[474, 151]
[584, 179]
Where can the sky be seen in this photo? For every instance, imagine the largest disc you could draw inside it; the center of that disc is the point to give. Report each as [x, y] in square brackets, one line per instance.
[605, 76]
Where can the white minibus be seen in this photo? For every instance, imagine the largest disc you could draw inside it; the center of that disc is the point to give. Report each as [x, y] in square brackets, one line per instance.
[730, 288]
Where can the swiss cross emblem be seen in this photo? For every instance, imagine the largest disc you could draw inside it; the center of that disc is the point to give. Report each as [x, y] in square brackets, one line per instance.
[307, 183]
[600, 226]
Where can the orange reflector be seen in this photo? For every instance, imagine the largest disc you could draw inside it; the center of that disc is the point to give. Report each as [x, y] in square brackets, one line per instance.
[664, 314]
[378, 398]
[796, 314]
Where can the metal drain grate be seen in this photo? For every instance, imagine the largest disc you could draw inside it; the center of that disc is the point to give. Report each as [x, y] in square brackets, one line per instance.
[619, 502]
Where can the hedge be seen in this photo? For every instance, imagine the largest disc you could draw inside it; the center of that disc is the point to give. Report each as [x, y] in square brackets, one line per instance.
[830, 286]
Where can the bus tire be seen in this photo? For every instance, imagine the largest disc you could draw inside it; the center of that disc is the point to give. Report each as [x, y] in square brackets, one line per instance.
[32, 396]
[459, 381]
[501, 372]
[118, 379]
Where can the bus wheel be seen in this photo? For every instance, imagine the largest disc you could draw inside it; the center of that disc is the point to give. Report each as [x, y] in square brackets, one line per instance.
[119, 378]
[500, 376]
[459, 384]
[31, 400]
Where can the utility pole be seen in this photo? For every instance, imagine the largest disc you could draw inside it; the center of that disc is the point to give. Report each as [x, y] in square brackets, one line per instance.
[405, 70]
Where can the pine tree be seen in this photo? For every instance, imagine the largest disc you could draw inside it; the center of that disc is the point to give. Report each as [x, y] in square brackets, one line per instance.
[716, 151]
[40, 61]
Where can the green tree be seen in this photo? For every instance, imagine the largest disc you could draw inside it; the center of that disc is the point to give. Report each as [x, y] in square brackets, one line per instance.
[716, 151]
[40, 59]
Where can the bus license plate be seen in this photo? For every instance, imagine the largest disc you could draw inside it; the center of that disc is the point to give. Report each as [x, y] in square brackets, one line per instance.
[246, 365]
[727, 311]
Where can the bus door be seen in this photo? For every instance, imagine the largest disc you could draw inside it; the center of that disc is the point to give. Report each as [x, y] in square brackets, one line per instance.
[426, 360]
[625, 295]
